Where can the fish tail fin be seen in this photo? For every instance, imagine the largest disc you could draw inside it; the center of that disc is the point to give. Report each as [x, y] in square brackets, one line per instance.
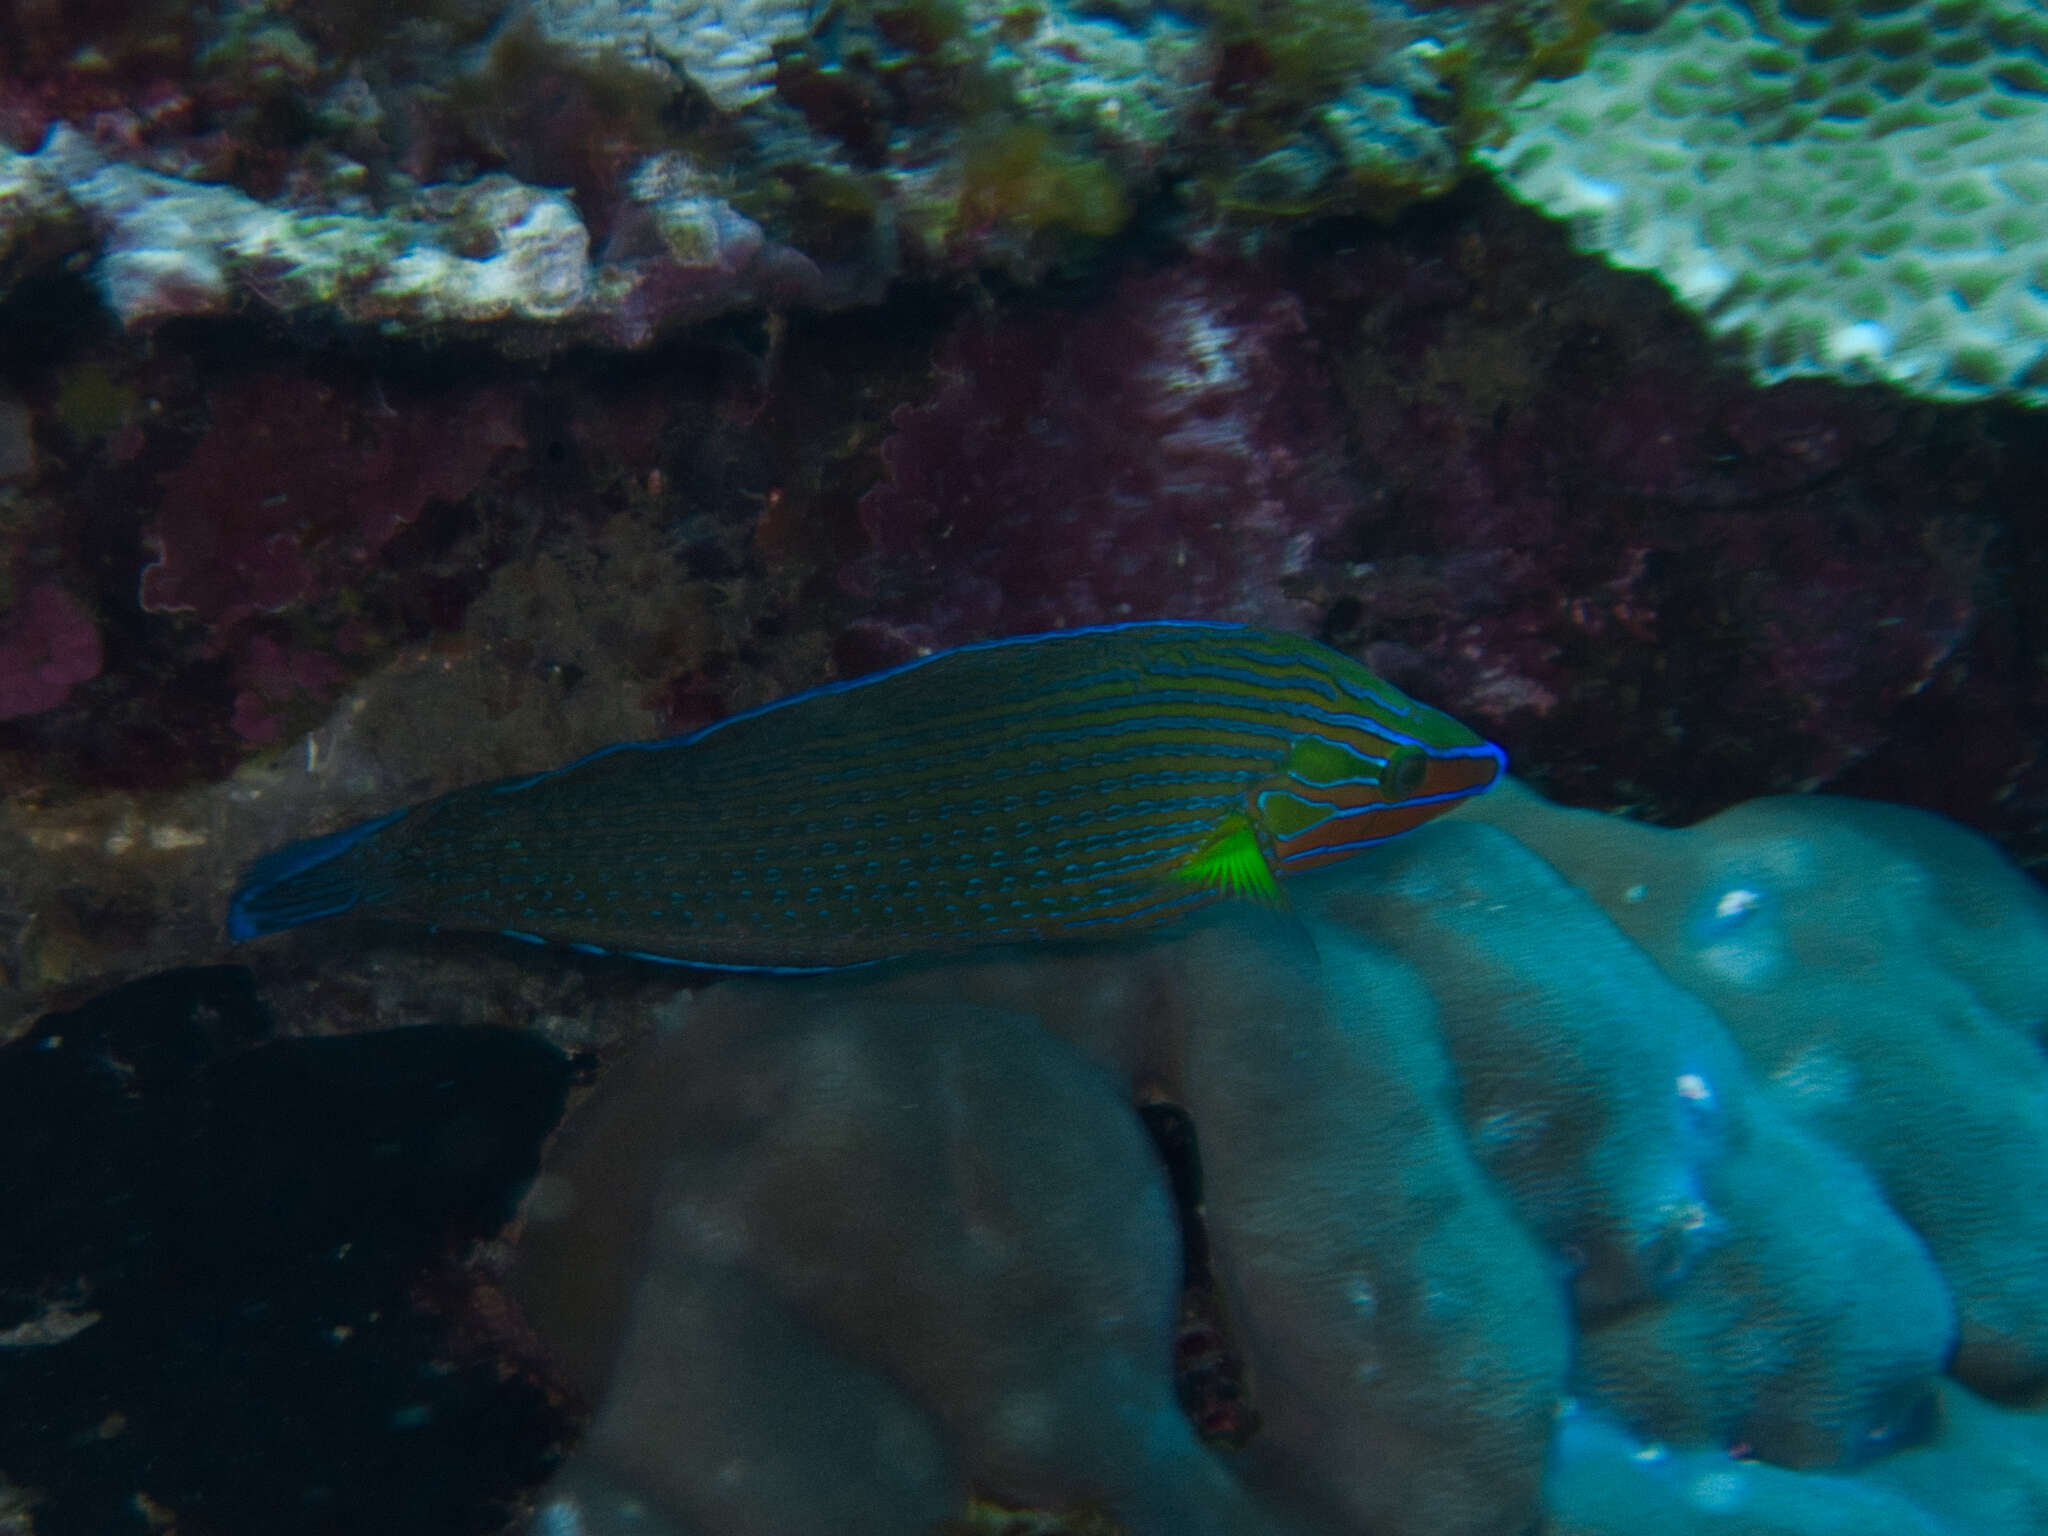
[301, 883]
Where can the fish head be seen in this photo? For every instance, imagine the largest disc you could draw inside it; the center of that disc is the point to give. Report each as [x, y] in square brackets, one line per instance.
[1353, 780]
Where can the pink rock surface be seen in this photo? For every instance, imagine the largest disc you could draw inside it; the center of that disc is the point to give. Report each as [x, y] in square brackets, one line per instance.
[1173, 450]
[48, 645]
[299, 484]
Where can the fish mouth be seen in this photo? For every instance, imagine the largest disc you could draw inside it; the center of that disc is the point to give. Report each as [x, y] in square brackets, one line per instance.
[1454, 774]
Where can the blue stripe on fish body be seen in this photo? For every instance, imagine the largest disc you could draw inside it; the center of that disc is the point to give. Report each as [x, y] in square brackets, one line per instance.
[1080, 783]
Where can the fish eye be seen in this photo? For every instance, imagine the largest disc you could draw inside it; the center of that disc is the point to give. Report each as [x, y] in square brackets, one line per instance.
[1404, 772]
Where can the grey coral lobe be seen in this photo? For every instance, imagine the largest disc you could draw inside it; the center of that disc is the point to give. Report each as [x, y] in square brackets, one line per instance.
[1520, 1180]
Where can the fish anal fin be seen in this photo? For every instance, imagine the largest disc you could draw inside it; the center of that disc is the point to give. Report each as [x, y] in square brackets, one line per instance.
[1233, 863]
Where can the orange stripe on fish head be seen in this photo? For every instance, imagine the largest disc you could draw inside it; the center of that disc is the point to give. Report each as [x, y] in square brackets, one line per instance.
[1357, 781]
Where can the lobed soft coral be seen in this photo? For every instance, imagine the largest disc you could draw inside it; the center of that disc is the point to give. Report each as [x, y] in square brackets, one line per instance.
[1553, 1167]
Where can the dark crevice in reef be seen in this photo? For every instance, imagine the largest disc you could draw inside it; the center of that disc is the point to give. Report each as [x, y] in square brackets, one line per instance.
[235, 1279]
[1208, 1370]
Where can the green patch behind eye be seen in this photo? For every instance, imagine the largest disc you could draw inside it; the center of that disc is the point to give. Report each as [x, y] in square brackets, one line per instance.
[1314, 760]
[1288, 815]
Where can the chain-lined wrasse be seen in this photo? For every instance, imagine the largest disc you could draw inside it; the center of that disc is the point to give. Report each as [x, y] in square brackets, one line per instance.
[1086, 783]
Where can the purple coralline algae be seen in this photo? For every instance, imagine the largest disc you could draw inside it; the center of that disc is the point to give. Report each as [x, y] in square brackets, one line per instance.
[297, 486]
[48, 645]
[285, 504]
[1554, 1169]
[269, 679]
[1174, 448]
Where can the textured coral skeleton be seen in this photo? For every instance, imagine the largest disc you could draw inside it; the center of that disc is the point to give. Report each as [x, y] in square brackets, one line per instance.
[452, 174]
[1848, 189]
[726, 48]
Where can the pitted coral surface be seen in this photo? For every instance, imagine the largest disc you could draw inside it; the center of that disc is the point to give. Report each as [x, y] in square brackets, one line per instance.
[1842, 188]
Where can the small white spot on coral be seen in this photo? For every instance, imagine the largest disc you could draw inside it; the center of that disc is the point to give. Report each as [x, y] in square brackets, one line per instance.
[1866, 340]
[1579, 193]
[1206, 345]
[1700, 278]
[1500, 691]
[1693, 1087]
[53, 1325]
[1736, 904]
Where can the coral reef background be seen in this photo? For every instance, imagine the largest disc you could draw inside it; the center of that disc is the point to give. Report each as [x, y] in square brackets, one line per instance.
[393, 401]
[1516, 484]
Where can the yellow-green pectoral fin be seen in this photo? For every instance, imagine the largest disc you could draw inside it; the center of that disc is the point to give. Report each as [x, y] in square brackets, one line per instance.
[1232, 863]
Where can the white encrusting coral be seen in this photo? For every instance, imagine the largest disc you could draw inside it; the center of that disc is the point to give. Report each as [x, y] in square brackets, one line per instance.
[1857, 188]
[726, 48]
[489, 256]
